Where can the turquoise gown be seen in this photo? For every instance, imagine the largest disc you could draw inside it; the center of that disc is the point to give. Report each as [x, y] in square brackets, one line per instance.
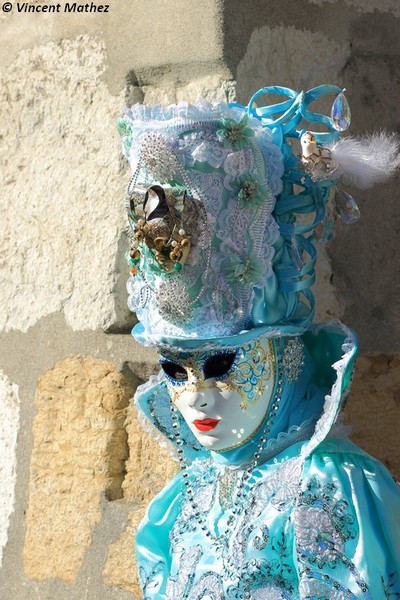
[318, 518]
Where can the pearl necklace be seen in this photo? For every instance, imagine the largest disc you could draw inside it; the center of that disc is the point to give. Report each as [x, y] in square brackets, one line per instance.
[245, 484]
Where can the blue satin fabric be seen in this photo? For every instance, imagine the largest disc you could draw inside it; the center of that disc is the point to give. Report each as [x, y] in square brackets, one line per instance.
[319, 518]
[366, 563]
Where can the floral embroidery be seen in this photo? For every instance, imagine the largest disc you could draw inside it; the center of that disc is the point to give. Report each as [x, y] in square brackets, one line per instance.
[275, 576]
[269, 591]
[391, 588]
[235, 133]
[323, 588]
[209, 586]
[317, 537]
[323, 496]
[323, 524]
[179, 586]
[150, 578]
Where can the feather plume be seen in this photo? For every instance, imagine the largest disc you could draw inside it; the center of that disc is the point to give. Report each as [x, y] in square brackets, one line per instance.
[369, 160]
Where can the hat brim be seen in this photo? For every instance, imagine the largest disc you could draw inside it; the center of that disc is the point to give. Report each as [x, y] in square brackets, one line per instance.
[229, 341]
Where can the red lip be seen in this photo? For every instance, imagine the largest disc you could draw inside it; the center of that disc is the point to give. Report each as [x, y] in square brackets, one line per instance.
[206, 424]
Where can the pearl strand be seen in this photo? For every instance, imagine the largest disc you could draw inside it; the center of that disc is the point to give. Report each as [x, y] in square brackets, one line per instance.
[244, 485]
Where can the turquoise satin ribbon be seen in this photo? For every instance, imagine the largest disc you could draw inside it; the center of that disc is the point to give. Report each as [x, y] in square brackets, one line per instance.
[293, 110]
[283, 297]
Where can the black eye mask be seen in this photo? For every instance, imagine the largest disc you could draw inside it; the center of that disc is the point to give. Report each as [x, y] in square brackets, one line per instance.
[218, 365]
[215, 367]
[174, 371]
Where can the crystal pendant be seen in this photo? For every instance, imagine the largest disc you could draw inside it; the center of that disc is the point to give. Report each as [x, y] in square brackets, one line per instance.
[346, 207]
[295, 253]
[325, 231]
[341, 113]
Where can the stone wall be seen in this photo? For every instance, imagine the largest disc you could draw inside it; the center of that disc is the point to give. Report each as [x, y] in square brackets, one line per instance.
[76, 470]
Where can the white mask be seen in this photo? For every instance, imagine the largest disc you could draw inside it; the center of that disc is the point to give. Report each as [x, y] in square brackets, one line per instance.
[223, 396]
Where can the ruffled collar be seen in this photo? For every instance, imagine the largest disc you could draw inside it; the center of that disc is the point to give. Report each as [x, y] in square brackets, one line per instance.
[310, 407]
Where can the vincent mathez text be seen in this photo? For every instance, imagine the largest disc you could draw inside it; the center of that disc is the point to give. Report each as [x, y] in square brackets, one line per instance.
[68, 7]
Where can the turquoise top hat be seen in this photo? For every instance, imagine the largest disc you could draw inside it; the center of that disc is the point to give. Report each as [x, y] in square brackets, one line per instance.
[225, 205]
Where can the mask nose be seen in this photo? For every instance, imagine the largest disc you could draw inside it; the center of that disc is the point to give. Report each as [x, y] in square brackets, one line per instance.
[201, 399]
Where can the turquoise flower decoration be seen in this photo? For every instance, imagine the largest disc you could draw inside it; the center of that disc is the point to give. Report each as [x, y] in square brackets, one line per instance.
[123, 127]
[250, 190]
[234, 133]
[125, 130]
[250, 270]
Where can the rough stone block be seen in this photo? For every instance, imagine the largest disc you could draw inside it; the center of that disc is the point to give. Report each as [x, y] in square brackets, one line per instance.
[149, 466]
[121, 568]
[79, 453]
[373, 409]
[148, 469]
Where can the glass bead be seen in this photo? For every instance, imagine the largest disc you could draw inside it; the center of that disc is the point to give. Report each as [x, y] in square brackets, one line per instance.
[326, 230]
[295, 253]
[341, 113]
[346, 207]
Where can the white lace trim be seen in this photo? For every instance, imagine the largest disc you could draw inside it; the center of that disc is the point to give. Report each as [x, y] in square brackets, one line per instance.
[182, 113]
[332, 403]
[145, 422]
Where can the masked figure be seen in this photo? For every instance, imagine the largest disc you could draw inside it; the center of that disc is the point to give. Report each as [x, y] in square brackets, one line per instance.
[272, 501]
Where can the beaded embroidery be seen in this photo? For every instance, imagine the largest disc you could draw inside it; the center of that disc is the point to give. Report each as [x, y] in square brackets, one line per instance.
[292, 360]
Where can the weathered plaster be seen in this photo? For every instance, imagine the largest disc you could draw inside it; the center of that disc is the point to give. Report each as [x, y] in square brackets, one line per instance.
[9, 426]
[290, 57]
[389, 6]
[62, 211]
[159, 40]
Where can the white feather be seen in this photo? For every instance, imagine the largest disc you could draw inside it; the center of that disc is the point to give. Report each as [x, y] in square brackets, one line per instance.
[366, 161]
